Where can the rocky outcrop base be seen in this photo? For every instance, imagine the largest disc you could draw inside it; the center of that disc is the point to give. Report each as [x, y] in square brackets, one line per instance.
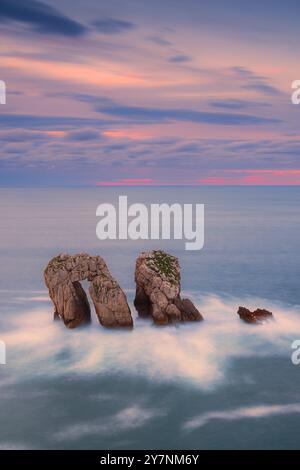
[258, 316]
[157, 277]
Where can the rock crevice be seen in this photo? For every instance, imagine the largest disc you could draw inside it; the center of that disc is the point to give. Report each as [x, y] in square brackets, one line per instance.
[63, 276]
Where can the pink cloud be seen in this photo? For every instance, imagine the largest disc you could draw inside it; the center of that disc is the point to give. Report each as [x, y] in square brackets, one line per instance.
[147, 182]
[254, 177]
[128, 182]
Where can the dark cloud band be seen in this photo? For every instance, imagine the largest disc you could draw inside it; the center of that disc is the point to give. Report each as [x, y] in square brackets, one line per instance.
[41, 17]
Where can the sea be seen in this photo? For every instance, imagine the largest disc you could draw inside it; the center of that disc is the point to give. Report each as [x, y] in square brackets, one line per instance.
[216, 384]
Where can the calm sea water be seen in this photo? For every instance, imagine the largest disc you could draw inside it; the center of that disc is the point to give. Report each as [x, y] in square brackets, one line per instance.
[217, 385]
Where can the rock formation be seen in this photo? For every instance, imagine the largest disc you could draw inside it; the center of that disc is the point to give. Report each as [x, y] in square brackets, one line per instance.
[63, 275]
[157, 277]
[257, 316]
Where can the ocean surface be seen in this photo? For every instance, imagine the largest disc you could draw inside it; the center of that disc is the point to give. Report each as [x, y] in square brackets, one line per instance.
[219, 384]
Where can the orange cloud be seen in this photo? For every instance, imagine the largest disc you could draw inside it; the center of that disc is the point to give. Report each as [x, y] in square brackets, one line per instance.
[126, 134]
[54, 133]
[97, 73]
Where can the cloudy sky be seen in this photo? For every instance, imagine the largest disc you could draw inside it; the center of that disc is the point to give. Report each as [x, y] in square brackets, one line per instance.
[149, 93]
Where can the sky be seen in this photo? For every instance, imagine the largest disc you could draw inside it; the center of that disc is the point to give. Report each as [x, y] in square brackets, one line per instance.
[132, 92]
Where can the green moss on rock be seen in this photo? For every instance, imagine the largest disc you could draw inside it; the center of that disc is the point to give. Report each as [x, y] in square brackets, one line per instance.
[165, 265]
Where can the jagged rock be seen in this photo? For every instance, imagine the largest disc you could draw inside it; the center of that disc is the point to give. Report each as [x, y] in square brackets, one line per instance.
[63, 275]
[188, 310]
[157, 277]
[257, 316]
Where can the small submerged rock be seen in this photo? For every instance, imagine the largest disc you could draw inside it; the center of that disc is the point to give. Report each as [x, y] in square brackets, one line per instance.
[157, 277]
[258, 316]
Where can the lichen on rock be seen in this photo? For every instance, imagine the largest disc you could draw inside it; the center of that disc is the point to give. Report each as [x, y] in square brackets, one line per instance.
[165, 265]
[157, 277]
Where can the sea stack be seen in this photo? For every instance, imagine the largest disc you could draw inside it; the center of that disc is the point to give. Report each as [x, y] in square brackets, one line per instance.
[63, 276]
[157, 277]
[258, 316]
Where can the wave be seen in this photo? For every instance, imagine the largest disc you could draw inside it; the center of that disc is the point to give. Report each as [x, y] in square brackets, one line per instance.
[198, 353]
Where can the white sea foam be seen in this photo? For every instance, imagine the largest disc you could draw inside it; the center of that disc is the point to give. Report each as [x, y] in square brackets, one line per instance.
[250, 412]
[197, 353]
[128, 418]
